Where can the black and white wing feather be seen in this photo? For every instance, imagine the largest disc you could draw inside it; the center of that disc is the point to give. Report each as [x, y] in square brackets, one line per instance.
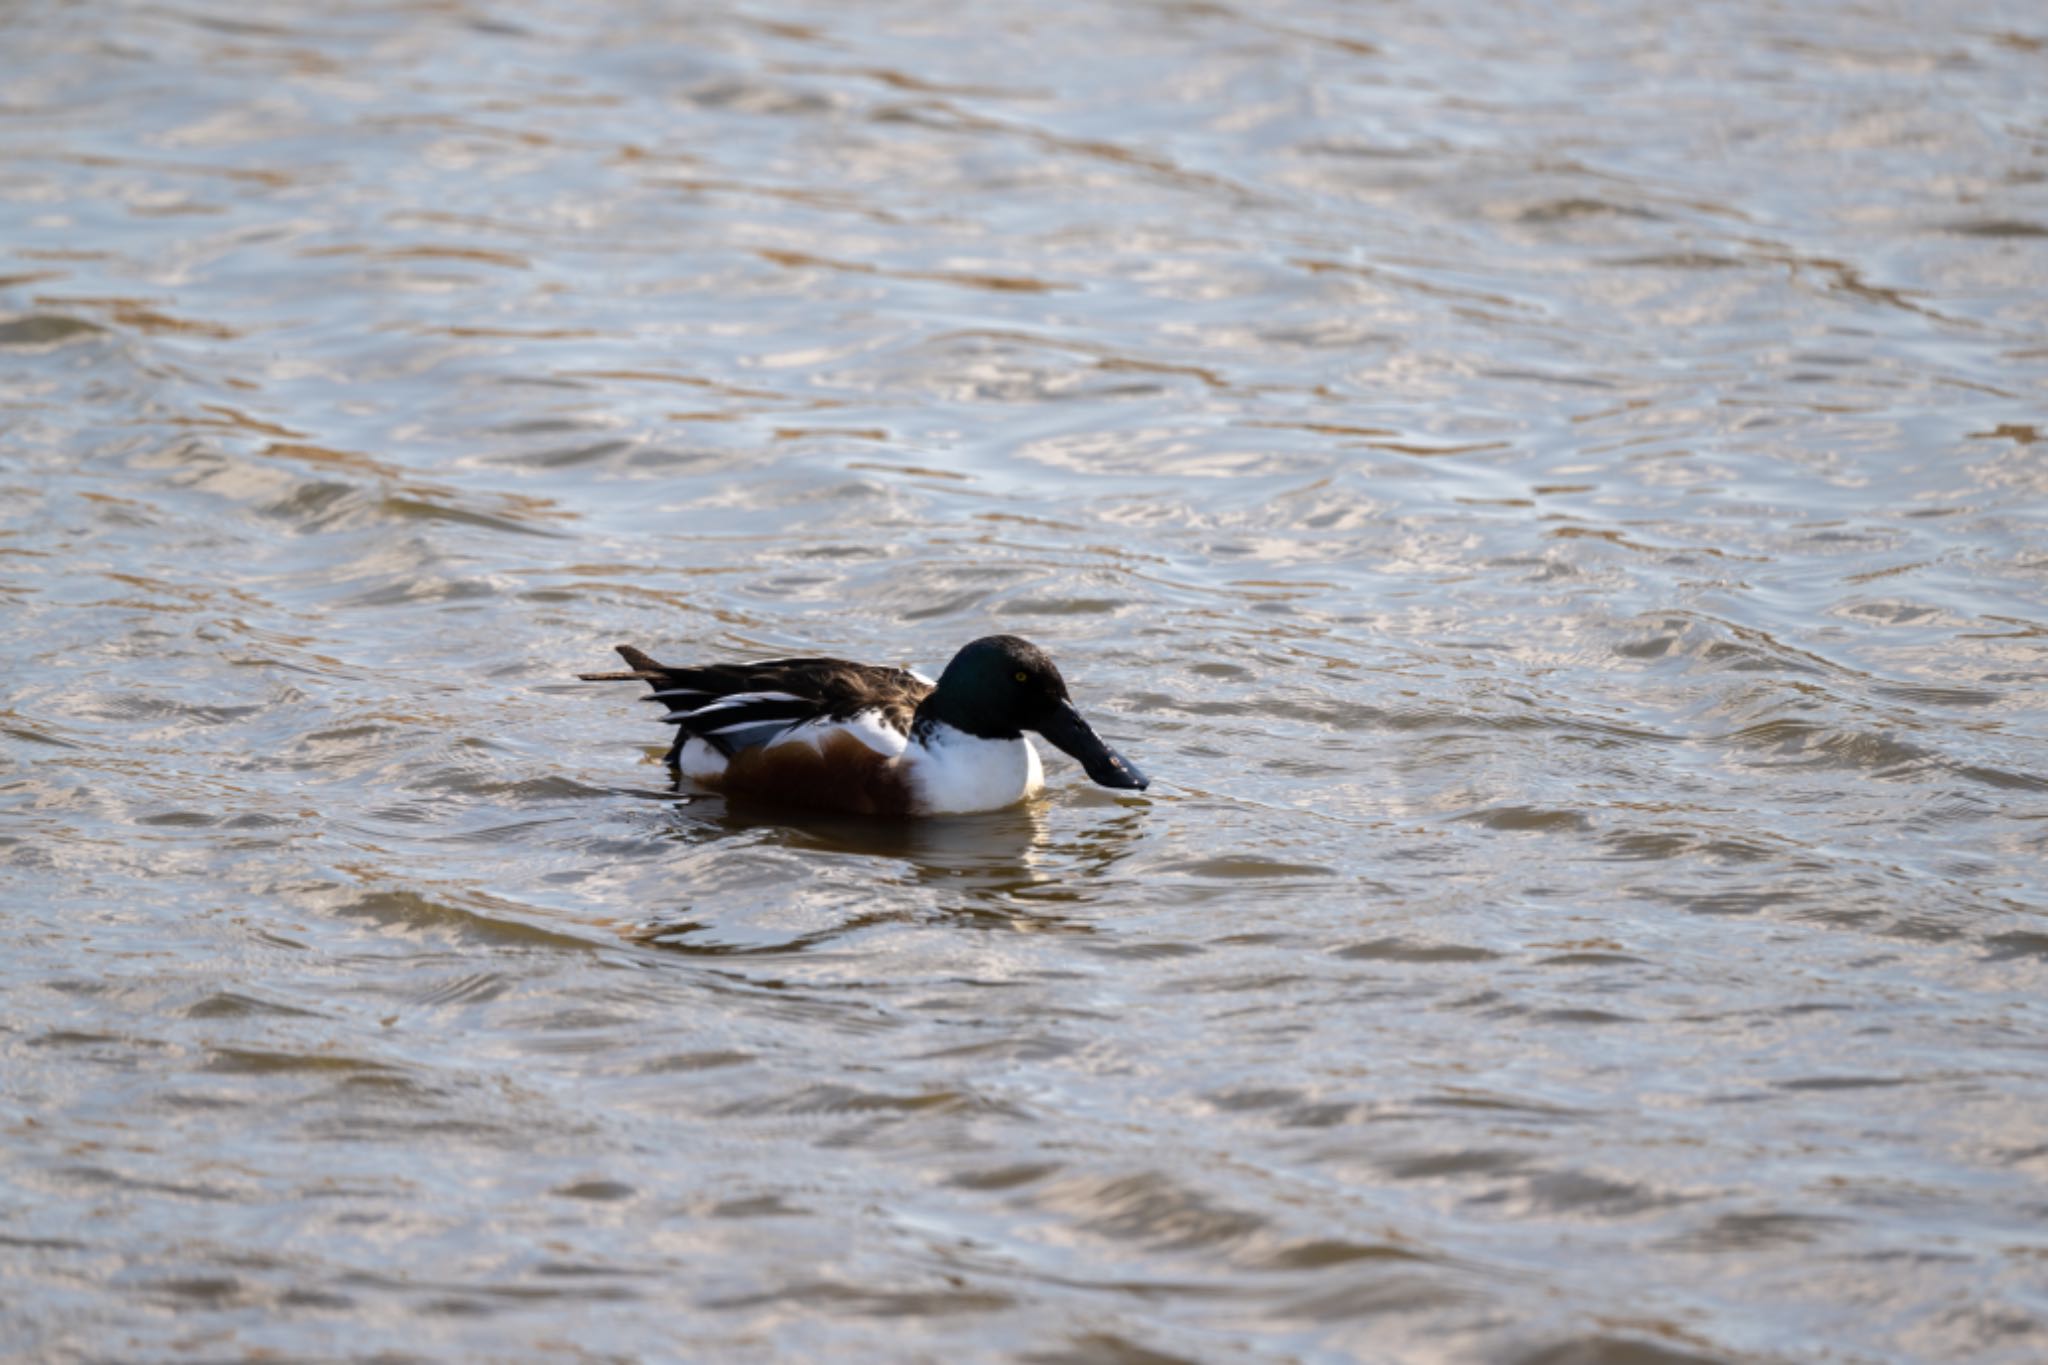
[739, 721]
[732, 707]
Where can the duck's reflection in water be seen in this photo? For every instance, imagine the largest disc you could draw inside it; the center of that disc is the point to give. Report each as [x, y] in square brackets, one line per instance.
[1029, 868]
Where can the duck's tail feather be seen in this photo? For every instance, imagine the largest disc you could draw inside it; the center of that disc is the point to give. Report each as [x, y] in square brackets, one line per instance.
[644, 669]
[681, 690]
[714, 703]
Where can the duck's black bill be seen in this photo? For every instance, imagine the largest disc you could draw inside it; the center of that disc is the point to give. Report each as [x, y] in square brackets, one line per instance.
[1075, 736]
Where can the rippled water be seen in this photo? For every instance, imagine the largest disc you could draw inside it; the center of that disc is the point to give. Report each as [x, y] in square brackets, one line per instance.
[1557, 495]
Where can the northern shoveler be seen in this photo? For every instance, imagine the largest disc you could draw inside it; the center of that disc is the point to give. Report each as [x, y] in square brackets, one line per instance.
[873, 740]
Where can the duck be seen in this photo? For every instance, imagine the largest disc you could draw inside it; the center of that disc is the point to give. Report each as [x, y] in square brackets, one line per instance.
[868, 739]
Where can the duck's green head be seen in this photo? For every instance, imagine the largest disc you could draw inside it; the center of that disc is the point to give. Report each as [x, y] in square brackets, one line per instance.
[1001, 685]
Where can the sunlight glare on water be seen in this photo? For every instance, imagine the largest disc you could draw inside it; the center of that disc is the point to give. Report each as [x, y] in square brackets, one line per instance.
[1555, 496]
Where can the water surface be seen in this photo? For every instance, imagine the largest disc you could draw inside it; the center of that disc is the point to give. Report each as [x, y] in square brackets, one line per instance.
[1557, 497]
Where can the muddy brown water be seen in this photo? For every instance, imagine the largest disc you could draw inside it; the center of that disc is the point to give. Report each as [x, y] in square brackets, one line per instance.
[1556, 495]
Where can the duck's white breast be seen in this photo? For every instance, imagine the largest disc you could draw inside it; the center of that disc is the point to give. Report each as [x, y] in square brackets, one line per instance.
[953, 773]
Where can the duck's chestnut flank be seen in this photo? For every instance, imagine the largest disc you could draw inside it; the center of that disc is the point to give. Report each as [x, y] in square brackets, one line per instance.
[838, 735]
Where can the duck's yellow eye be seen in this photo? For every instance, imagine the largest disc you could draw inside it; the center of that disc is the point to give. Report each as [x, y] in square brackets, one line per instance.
[1022, 676]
